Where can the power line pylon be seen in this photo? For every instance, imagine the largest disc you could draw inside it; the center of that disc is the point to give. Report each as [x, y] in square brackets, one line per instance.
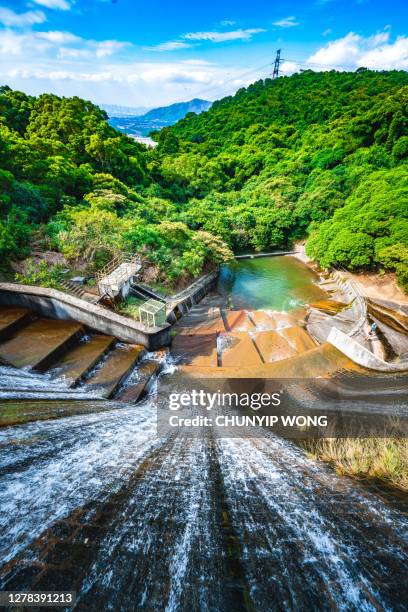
[277, 64]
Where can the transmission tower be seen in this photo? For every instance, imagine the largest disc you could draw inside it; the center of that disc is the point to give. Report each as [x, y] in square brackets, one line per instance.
[277, 64]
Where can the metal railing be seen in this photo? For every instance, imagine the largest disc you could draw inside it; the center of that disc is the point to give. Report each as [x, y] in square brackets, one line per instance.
[114, 263]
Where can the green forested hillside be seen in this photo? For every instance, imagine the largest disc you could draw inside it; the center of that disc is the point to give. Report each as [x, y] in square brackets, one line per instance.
[322, 155]
[316, 155]
[71, 183]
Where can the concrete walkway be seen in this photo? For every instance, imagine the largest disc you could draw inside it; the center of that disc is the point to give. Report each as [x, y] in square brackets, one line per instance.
[256, 255]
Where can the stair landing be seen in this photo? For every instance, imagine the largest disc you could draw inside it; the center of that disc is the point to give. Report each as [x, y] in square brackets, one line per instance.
[120, 362]
[82, 358]
[11, 319]
[39, 343]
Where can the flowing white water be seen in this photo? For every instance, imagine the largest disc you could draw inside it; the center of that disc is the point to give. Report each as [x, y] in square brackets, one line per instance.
[196, 523]
[49, 468]
[23, 384]
[311, 529]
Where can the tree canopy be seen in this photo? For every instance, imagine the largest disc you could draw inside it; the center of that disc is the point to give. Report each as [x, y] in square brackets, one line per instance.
[315, 155]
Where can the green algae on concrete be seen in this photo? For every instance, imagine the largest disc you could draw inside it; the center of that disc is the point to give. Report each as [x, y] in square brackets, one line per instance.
[18, 412]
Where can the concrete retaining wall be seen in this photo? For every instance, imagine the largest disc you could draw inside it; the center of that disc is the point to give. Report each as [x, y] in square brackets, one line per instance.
[185, 300]
[58, 305]
[360, 355]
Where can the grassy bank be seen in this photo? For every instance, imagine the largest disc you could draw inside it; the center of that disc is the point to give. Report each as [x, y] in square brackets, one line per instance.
[385, 459]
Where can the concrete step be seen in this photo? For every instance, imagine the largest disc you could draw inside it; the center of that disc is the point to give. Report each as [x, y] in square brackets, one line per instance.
[80, 360]
[272, 346]
[322, 361]
[237, 320]
[298, 338]
[208, 326]
[73, 288]
[262, 320]
[197, 349]
[40, 343]
[133, 393]
[200, 316]
[237, 350]
[12, 319]
[119, 364]
[331, 307]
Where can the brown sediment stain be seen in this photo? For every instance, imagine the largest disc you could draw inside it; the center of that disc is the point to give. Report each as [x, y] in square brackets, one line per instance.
[134, 392]
[237, 320]
[324, 360]
[239, 350]
[298, 338]
[82, 358]
[39, 343]
[331, 307]
[398, 321]
[108, 378]
[196, 349]
[272, 346]
[262, 319]
[11, 319]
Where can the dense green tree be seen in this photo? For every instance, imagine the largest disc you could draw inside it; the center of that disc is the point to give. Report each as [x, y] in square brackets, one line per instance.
[316, 155]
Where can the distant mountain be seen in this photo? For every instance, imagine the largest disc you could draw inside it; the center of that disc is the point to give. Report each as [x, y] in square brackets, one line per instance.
[171, 114]
[114, 110]
[157, 118]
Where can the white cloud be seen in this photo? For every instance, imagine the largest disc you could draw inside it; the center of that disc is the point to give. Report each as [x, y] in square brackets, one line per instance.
[227, 22]
[61, 38]
[106, 48]
[218, 37]
[197, 62]
[56, 44]
[62, 5]
[106, 81]
[215, 37]
[171, 45]
[290, 67]
[353, 51]
[286, 22]
[10, 43]
[327, 32]
[11, 19]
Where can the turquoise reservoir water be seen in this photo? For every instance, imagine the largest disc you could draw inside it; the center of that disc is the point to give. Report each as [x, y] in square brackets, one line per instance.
[280, 283]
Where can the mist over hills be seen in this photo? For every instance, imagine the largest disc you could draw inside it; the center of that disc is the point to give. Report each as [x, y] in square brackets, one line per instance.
[116, 110]
[156, 118]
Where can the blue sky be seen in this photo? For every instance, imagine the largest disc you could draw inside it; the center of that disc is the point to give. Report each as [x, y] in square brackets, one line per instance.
[154, 52]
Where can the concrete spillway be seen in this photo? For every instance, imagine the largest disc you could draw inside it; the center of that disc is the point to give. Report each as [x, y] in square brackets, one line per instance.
[99, 503]
[94, 501]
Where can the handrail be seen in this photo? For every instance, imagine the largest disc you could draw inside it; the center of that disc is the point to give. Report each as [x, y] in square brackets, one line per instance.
[115, 262]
